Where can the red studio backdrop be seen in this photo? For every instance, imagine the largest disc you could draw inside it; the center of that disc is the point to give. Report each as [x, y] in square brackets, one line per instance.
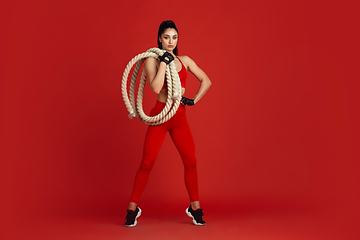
[278, 129]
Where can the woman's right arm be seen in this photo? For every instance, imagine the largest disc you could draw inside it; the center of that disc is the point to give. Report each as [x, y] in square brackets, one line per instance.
[155, 76]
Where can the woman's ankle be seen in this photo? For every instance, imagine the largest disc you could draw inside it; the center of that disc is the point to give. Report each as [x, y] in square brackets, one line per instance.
[132, 206]
[195, 205]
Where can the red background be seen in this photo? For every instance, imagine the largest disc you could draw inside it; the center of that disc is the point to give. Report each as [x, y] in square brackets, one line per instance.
[278, 130]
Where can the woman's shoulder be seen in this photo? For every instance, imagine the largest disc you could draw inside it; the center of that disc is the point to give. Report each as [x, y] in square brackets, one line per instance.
[186, 59]
[152, 60]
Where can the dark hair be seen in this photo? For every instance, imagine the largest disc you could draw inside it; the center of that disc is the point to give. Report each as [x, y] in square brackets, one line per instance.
[163, 26]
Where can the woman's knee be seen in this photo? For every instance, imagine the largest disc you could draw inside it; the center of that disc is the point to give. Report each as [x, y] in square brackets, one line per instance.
[147, 164]
[189, 162]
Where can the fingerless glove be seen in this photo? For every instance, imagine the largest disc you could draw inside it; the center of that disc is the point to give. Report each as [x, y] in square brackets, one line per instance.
[187, 101]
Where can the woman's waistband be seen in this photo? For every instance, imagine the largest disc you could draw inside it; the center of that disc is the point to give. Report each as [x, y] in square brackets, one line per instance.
[159, 106]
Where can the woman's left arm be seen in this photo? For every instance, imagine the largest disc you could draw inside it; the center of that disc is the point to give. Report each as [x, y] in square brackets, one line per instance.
[200, 75]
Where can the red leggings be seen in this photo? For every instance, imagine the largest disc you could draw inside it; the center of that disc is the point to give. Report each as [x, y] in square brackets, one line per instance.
[180, 133]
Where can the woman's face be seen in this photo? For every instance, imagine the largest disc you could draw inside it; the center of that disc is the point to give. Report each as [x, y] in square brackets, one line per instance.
[169, 39]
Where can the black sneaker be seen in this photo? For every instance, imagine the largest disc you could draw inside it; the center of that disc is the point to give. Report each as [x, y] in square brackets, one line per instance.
[196, 216]
[131, 216]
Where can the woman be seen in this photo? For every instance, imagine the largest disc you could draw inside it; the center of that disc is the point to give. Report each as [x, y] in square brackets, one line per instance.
[177, 126]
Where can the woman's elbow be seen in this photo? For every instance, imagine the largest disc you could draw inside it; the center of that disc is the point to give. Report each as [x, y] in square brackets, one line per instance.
[209, 82]
[156, 90]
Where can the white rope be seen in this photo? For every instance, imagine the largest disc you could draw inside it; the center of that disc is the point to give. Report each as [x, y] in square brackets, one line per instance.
[173, 87]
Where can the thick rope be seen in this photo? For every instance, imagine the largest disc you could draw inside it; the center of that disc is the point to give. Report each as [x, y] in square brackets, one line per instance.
[135, 109]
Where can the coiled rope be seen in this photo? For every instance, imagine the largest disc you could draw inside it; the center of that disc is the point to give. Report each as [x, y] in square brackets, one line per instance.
[173, 87]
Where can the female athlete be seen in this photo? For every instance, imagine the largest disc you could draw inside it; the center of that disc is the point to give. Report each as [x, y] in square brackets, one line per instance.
[177, 126]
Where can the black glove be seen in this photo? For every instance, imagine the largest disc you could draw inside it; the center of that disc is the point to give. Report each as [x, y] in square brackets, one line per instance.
[166, 55]
[187, 101]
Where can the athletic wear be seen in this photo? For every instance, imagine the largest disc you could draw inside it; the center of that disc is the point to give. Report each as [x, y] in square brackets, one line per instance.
[131, 216]
[195, 215]
[182, 74]
[180, 133]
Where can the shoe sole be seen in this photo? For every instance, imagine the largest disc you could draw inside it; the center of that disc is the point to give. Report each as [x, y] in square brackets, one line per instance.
[135, 222]
[194, 221]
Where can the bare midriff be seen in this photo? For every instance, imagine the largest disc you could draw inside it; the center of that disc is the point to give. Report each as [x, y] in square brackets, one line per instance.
[163, 95]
